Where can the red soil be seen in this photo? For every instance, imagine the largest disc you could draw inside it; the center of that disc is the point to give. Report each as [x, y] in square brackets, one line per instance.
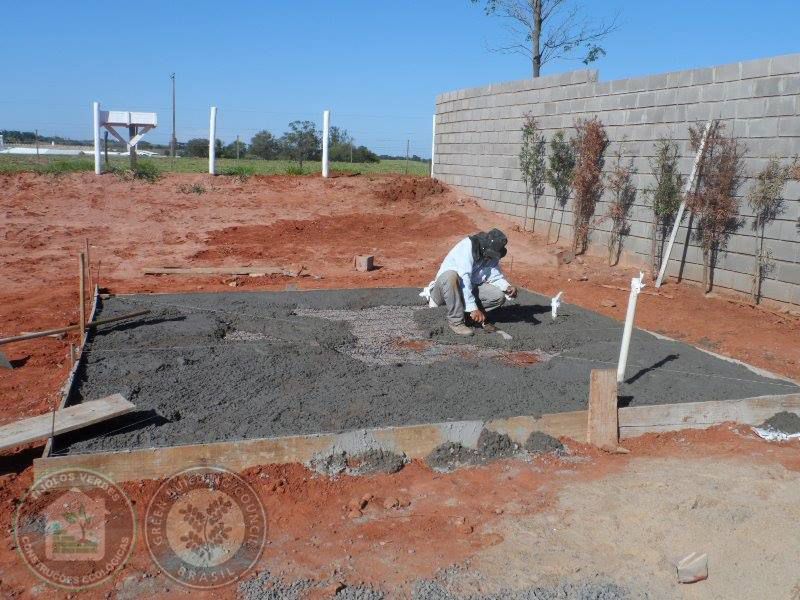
[285, 221]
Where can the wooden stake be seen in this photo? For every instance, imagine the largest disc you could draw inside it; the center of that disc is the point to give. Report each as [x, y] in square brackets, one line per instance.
[89, 269]
[603, 420]
[82, 294]
[48, 332]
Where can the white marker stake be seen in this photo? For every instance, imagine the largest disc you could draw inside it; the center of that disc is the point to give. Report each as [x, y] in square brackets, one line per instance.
[98, 169]
[554, 304]
[326, 122]
[212, 138]
[433, 145]
[636, 286]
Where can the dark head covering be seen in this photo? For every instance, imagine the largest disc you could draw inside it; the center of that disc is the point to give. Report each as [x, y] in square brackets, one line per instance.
[491, 245]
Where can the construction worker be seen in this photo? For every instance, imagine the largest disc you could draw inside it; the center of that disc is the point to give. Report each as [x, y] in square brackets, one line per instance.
[470, 282]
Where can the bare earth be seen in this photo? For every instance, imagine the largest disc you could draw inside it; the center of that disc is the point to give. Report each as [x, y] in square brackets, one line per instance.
[509, 525]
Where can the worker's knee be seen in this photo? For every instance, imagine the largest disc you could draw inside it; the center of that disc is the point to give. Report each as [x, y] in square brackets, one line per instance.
[450, 278]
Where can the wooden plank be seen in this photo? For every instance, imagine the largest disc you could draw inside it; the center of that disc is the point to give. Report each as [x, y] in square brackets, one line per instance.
[415, 441]
[636, 420]
[602, 422]
[254, 270]
[67, 419]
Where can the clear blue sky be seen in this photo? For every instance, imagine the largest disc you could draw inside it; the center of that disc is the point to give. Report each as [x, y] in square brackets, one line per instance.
[378, 65]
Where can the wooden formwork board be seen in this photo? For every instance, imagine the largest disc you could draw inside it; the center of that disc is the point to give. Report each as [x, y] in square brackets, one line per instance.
[415, 441]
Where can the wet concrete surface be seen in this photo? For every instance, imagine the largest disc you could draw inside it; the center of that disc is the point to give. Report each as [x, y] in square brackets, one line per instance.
[225, 366]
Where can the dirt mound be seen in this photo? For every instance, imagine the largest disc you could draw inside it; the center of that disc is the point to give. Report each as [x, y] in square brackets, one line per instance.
[409, 188]
[341, 235]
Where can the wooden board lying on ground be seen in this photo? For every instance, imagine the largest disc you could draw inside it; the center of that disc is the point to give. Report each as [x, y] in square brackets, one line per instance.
[255, 270]
[415, 441]
[67, 419]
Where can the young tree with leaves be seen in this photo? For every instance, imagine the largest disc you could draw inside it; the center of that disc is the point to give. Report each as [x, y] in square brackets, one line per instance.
[623, 195]
[714, 202]
[531, 164]
[590, 144]
[545, 30]
[561, 164]
[766, 200]
[665, 195]
[302, 141]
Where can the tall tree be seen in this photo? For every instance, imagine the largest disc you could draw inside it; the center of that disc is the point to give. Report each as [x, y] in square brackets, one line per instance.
[545, 30]
[264, 145]
[531, 164]
[302, 141]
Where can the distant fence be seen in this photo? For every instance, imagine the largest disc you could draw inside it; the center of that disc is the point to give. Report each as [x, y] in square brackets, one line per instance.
[478, 137]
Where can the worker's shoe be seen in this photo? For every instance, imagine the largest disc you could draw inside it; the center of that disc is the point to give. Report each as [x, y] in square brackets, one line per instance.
[489, 327]
[461, 329]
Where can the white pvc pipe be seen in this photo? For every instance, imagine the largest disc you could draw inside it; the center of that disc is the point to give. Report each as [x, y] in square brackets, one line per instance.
[98, 168]
[212, 138]
[433, 145]
[555, 303]
[636, 286]
[326, 122]
[679, 217]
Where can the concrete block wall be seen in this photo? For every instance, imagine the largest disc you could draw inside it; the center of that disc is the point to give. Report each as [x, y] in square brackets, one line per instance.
[478, 137]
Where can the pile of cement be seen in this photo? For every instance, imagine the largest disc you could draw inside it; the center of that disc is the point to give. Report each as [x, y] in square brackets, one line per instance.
[783, 422]
[266, 586]
[491, 446]
[585, 590]
[365, 463]
[226, 366]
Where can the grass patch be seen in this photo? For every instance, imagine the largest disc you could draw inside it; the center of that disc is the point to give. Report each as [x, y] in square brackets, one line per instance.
[10, 163]
[145, 170]
[241, 172]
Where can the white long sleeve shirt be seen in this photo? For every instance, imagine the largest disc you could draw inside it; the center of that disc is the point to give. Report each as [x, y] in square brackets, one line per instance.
[472, 273]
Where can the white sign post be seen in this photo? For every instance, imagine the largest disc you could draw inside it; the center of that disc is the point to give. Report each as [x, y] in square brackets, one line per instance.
[137, 123]
[212, 138]
[326, 123]
[636, 286]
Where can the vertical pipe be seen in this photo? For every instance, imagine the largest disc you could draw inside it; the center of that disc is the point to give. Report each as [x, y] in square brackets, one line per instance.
[686, 190]
[96, 126]
[636, 286]
[212, 137]
[326, 122]
[433, 145]
[82, 293]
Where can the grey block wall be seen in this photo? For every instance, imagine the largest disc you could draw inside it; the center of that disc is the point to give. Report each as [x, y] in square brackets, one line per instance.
[478, 137]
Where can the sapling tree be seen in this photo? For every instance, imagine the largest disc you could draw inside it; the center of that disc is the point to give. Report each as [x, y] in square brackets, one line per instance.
[623, 194]
[561, 164]
[590, 144]
[665, 194]
[531, 163]
[714, 201]
[766, 200]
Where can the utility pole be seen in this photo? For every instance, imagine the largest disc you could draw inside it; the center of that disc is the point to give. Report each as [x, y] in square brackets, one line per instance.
[237, 150]
[174, 143]
[407, 157]
[37, 145]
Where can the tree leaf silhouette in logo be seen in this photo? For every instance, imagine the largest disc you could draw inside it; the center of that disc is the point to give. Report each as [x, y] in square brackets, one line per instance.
[207, 529]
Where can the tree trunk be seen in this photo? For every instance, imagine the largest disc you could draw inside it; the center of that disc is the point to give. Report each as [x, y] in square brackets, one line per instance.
[758, 267]
[536, 54]
[706, 287]
[654, 266]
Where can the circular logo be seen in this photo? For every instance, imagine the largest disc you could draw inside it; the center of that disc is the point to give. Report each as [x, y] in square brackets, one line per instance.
[205, 527]
[75, 528]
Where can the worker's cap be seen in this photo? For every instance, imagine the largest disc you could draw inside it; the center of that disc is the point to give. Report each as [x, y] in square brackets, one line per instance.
[495, 244]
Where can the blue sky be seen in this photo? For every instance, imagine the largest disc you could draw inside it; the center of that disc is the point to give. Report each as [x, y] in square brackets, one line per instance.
[378, 65]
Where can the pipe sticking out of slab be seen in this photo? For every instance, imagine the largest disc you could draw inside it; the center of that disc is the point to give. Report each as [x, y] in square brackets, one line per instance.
[636, 287]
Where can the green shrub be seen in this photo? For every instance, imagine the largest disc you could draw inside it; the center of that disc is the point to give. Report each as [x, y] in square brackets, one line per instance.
[70, 165]
[241, 172]
[147, 171]
[294, 170]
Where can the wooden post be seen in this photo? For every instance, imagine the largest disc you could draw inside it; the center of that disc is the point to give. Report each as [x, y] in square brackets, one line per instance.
[89, 270]
[82, 293]
[603, 421]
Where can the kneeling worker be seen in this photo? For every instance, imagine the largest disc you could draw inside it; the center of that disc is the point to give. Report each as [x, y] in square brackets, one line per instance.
[470, 281]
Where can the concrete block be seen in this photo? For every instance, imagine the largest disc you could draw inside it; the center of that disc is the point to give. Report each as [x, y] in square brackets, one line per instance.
[780, 106]
[781, 65]
[656, 82]
[740, 89]
[644, 100]
[666, 96]
[363, 262]
[701, 76]
[728, 72]
[789, 126]
[759, 128]
[768, 86]
[687, 95]
[712, 93]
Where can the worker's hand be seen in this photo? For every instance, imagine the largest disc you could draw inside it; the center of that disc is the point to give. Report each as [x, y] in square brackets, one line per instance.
[511, 291]
[477, 315]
